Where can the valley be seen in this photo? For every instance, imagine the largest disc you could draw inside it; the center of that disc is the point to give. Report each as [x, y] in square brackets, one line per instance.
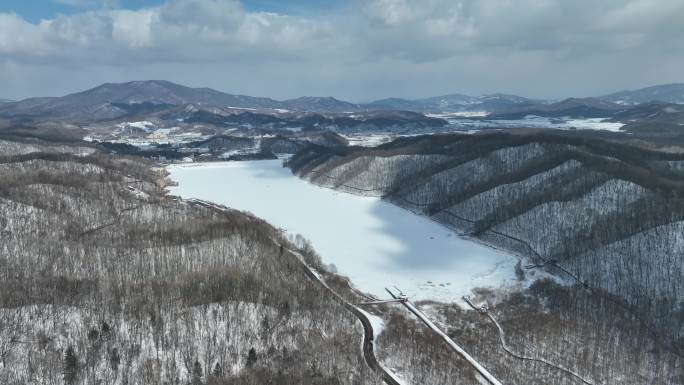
[376, 192]
[374, 243]
[182, 241]
[530, 192]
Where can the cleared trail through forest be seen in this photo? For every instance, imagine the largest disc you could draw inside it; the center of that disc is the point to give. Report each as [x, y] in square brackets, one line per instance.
[368, 333]
[453, 345]
[502, 339]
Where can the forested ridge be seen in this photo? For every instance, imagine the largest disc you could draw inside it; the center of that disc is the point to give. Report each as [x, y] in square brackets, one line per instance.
[604, 217]
[104, 279]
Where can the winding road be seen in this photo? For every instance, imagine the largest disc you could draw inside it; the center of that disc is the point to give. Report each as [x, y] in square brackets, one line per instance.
[368, 333]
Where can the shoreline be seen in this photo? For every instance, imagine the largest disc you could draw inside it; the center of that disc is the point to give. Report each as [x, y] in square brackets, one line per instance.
[442, 288]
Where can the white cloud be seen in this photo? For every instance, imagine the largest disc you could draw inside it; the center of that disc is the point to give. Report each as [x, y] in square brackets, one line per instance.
[18, 37]
[133, 29]
[178, 30]
[380, 48]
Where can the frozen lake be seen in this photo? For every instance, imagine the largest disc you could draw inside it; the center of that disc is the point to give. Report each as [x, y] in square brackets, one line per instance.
[373, 242]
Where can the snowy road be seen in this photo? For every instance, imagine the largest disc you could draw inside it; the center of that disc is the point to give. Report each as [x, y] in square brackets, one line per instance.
[453, 345]
[368, 345]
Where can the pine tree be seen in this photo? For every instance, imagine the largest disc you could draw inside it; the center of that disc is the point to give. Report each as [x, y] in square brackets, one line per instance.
[285, 309]
[70, 369]
[105, 331]
[265, 328]
[114, 359]
[218, 370]
[251, 358]
[93, 335]
[197, 373]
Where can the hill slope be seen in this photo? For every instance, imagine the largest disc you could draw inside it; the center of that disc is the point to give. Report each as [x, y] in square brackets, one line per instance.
[111, 100]
[573, 107]
[455, 103]
[570, 203]
[669, 93]
[105, 279]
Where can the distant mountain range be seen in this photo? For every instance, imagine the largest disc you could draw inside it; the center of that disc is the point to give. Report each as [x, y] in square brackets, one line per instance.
[584, 107]
[110, 101]
[668, 93]
[456, 103]
[511, 104]
[116, 101]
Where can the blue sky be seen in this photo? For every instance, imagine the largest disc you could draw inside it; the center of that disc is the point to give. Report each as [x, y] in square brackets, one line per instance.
[36, 10]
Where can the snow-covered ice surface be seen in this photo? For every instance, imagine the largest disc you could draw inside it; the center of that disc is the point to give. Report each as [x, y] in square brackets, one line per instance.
[373, 242]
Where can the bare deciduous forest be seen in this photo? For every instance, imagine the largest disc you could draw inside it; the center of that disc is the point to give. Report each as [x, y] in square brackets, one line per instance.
[603, 217]
[106, 280]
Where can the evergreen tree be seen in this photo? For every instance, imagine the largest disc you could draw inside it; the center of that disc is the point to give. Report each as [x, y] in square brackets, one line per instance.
[251, 358]
[70, 369]
[105, 331]
[197, 373]
[218, 370]
[285, 309]
[114, 359]
[265, 328]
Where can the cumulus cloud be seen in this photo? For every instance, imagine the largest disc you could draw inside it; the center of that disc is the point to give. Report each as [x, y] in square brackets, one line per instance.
[378, 48]
[178, 30]
[579, 27]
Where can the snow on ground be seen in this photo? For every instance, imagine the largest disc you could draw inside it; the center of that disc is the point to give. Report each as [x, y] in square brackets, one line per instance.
[594, 124]
[460, 114]
[368, 140]
[377, 323]
[143, 125]
[373, 242]
[166, 131]
[533, 121]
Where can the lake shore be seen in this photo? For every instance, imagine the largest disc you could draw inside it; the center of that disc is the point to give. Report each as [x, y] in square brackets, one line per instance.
[374, 243]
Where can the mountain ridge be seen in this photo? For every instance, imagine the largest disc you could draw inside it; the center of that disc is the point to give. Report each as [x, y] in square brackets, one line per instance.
[584, 107]
[669, 93]
[114, 100]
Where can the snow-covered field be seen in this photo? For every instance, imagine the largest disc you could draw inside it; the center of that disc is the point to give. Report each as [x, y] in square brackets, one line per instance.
[537, 122]
[370, 140]
[374, 243]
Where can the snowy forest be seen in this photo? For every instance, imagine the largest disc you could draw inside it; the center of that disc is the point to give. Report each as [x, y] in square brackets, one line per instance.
[107, 280]
[603, 218]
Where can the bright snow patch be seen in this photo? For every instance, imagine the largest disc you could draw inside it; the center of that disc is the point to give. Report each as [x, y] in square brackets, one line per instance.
[374, 243]
[372, 140]
[460, 114]
[594, 124]
[377, 323]
[533, 121]
[143, 125]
